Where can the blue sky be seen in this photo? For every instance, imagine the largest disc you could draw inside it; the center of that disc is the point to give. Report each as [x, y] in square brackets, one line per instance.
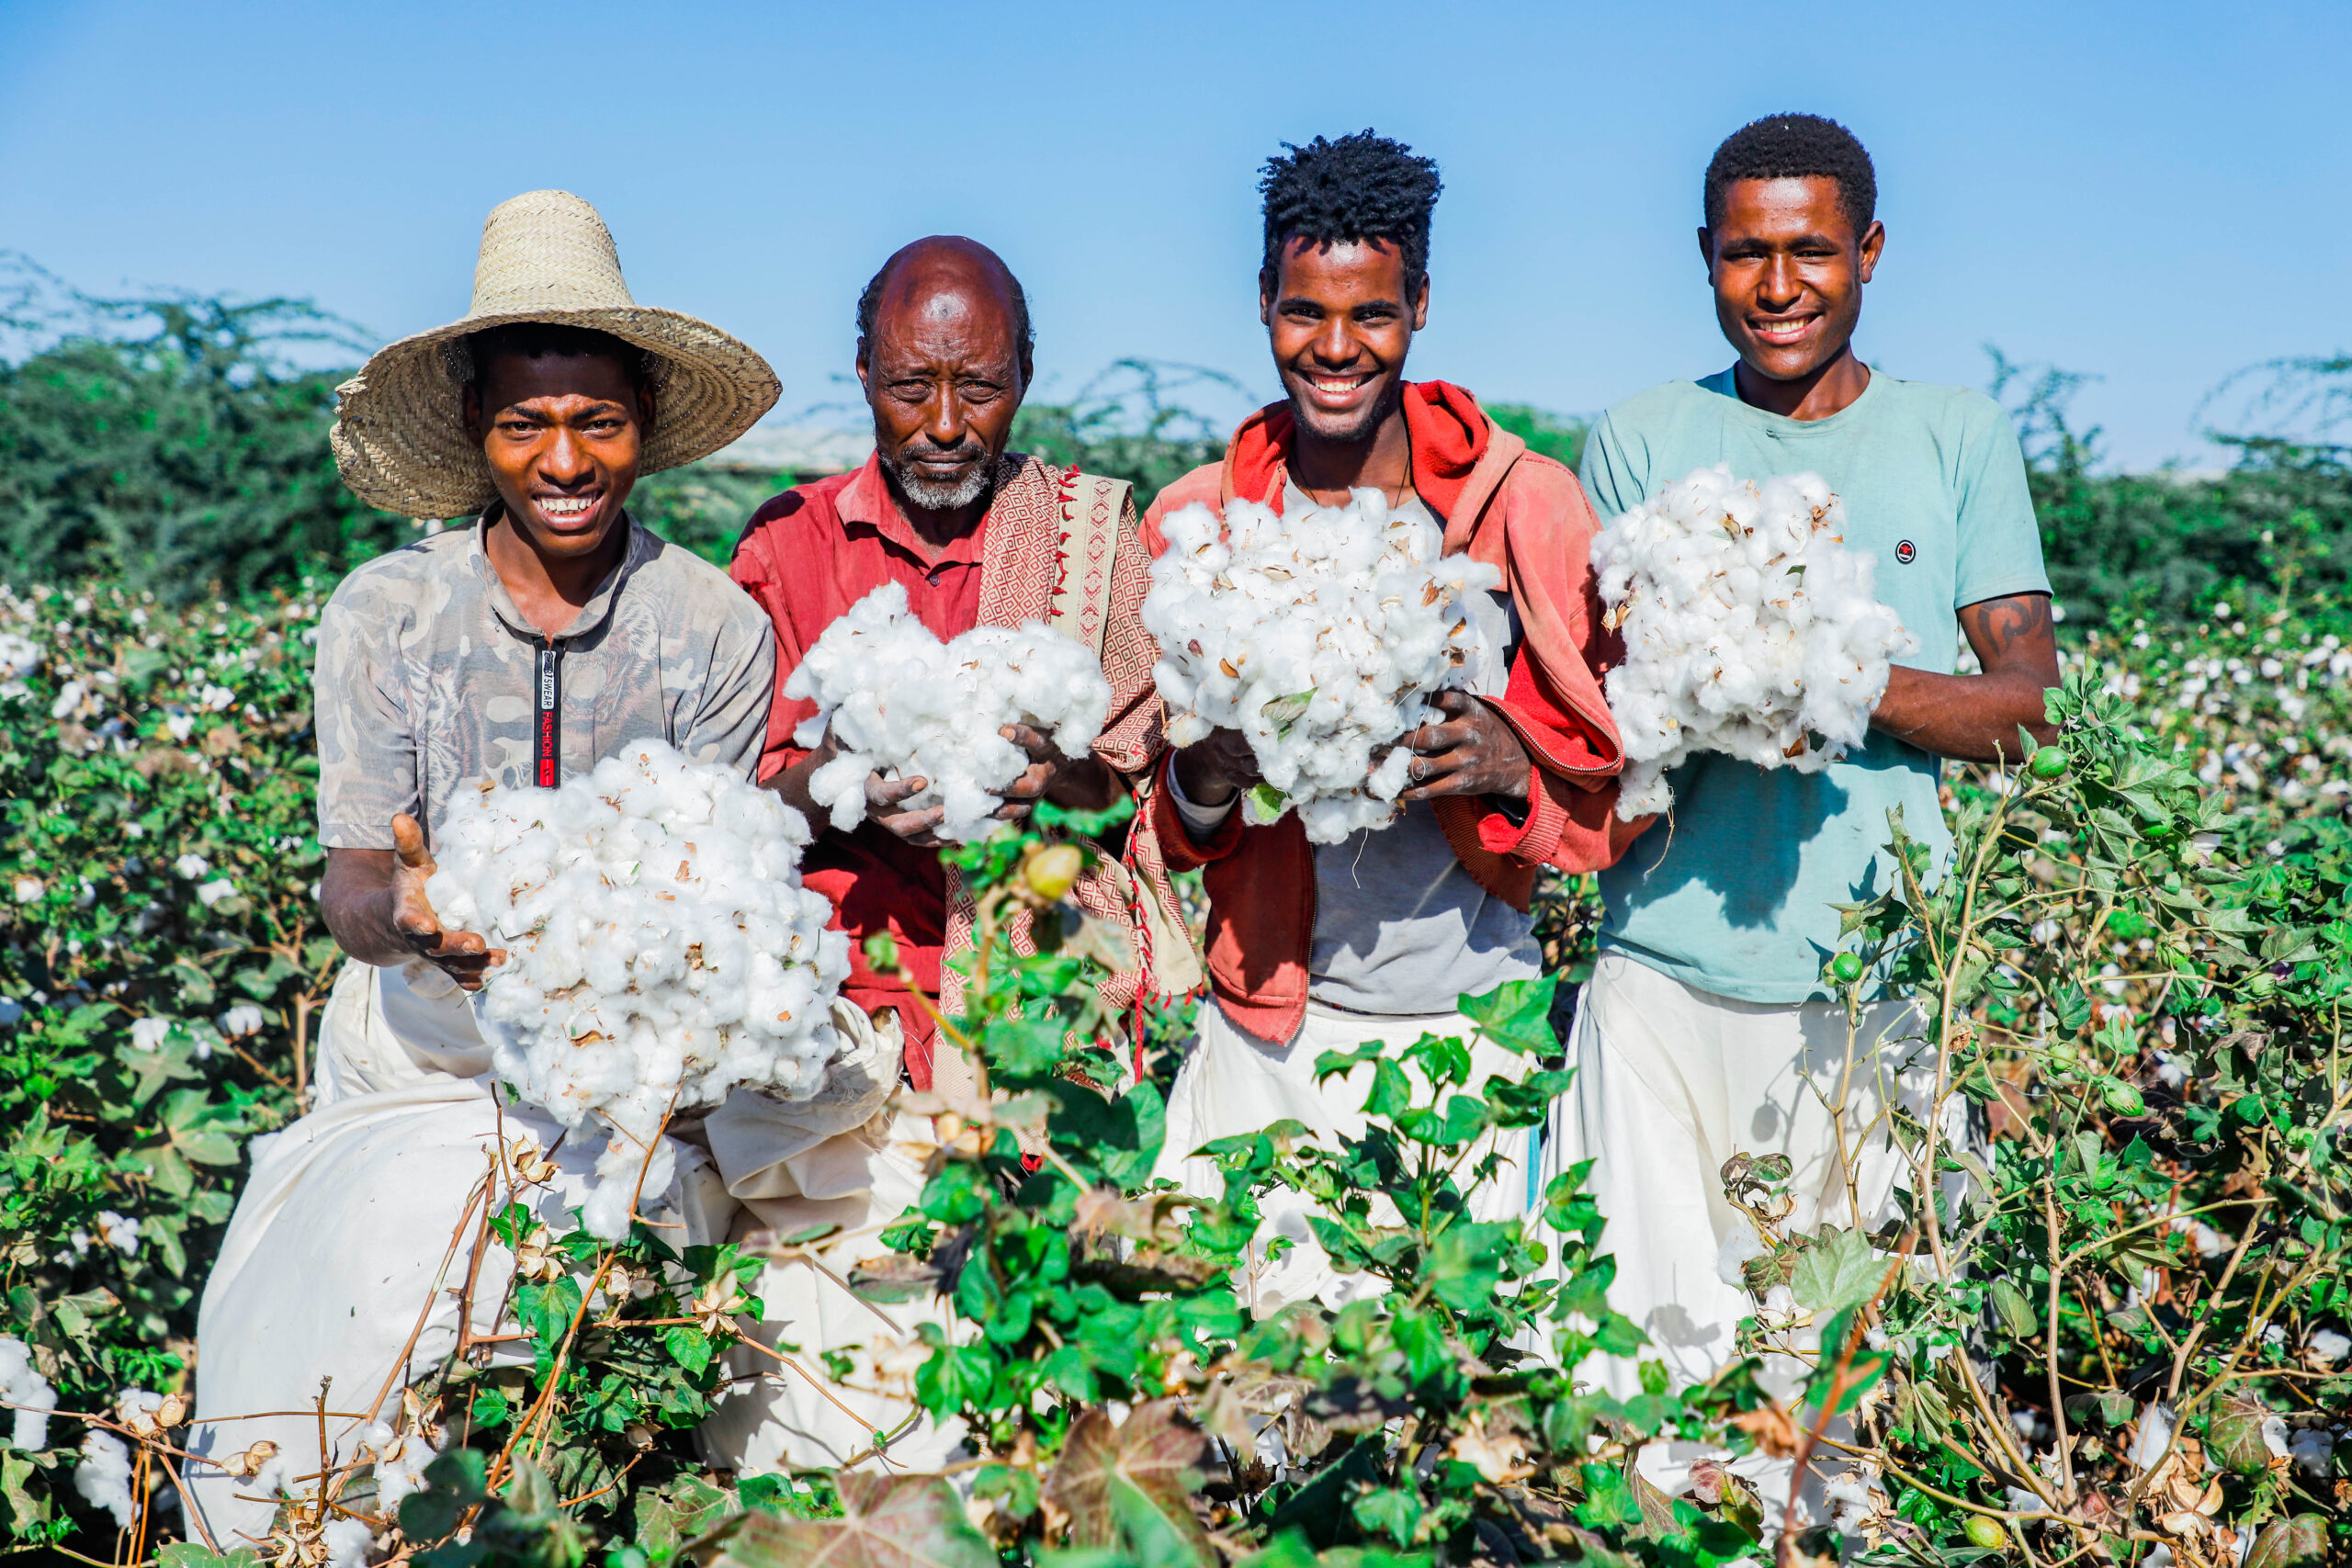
[2158, 194]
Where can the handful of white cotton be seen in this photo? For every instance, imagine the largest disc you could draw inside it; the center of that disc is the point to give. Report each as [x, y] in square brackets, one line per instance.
[659, 950]
[1320, 637]
[1749, 628]
[902, 704]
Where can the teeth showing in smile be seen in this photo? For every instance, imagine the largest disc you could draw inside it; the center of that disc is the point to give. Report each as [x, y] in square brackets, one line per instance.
[566, 506]
[1783, 328]
[1337, 385]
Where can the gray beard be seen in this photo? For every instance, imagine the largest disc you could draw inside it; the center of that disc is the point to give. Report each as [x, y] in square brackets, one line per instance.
[934, 496]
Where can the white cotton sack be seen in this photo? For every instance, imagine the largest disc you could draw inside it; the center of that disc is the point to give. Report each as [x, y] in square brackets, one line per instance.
[659, 950]
[1749, 628]
[1320, 638]
[904, 704]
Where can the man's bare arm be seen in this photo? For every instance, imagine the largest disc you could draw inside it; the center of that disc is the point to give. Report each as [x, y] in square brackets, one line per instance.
[374, 903]
[1975, 717]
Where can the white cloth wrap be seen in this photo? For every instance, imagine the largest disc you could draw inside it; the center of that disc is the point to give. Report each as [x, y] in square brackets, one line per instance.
[343, 1233]
[1232, 1083]
[1672, 1081]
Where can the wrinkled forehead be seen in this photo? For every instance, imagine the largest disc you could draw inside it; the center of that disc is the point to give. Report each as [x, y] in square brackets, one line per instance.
[944, 319]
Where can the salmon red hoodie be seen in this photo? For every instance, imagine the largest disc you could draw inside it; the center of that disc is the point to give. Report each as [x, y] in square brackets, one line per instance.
[1521, 512]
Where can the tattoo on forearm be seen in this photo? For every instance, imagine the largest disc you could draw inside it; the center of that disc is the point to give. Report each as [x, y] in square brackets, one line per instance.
[2006, 623]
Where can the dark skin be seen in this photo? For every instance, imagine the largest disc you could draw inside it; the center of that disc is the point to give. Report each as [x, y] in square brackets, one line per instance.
[563, 436]
[1788, 267]
[1340, 323]
[944, 371]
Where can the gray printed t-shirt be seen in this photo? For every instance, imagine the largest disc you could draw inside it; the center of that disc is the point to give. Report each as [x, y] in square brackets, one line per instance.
[425, 667]
[1400, 928]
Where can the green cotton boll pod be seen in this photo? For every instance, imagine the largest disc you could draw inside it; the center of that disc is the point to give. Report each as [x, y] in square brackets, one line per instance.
[2015, 1312]
[2047, 764]
[2122, 1097]
[1846, 967]
[1981, 1532]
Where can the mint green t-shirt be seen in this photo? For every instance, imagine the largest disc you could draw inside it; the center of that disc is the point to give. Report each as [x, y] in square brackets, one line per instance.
[1733, 894]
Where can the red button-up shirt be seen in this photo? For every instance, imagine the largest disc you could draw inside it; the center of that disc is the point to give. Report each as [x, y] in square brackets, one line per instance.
[808, 555]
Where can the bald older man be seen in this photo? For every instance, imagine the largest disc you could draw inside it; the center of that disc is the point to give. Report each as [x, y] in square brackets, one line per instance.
[976, 535]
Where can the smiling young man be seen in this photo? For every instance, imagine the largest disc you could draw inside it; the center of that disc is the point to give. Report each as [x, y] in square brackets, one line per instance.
[1708, 1029]
[548, 632]
[1377, 938]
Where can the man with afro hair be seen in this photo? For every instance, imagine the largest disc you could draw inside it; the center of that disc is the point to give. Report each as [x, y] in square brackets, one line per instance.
[1378, 937]
[1712, 1025]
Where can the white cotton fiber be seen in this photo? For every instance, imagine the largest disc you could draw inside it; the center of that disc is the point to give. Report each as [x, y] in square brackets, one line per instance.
[103, 1478]
[904, 704]
[1320, 637]
[1749, 628]
[660, 949]
[30, 1391]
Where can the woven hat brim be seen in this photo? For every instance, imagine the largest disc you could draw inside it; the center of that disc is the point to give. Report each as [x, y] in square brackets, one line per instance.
[400, 438]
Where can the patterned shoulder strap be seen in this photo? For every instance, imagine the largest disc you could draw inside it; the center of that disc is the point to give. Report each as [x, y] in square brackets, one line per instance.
[1089, 542]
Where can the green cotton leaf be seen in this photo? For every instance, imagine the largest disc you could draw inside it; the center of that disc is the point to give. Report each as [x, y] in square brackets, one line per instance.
[546, 1313]
[1392, 1091]
[689, 1347]
[198, 1128]
[1264, 803]
[1395, 1513]
[1608, 1502]
[491, 1408]
[453, 1482]
[1836, 1272]
[1023, 1047]
[1123, 1136]
[1133, 1483]
[2073, 1007]
[25, 1510]
[1517, 1015]
[1444, 1058]
[1085, 824]
[1332, 1063]
[197, 989]
[1466, 1265]
[886, 1521]
[188, 1554]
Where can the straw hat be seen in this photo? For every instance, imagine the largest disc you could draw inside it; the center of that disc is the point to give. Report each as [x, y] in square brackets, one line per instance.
[398, 434]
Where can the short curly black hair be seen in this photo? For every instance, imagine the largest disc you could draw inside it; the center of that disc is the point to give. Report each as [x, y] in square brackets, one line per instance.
[1363, 186]
[1795, 147]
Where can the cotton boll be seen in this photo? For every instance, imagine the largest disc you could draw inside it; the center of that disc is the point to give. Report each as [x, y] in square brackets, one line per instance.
[900, 703]
[30, 1393]
[1750, 629]
[1319, 637]
[348, 1543]
[103, 1478]
[663, 886]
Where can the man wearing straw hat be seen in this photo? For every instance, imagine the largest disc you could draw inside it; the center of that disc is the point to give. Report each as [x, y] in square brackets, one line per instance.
[547, 633]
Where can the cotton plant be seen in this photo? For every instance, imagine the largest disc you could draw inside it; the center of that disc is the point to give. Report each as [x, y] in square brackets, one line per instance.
[1320, 637]
[900, 703]
[1749, 628]
[661, 951]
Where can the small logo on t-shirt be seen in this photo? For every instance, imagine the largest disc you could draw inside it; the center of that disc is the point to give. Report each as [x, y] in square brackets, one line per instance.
[1906, 552]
